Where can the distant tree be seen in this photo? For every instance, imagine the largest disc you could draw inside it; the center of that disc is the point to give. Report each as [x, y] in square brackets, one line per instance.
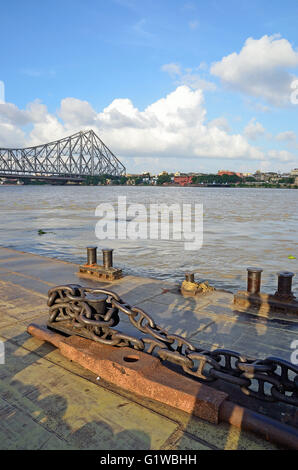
[217, 179]
[138, 180]
[163, 179]
[286, 180]
[123, 179]
[96, 179]
[120, 180]
[250, 179]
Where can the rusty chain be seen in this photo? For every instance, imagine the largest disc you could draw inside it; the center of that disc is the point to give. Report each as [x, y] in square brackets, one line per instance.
[271, 379]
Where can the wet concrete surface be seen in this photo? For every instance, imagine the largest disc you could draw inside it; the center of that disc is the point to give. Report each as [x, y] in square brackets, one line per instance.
[48, 402]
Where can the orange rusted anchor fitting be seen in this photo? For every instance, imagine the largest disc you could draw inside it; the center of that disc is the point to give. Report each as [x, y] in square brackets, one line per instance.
[144, 375]
[137, 372]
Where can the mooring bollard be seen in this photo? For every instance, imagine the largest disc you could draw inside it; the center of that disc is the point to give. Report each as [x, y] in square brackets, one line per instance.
[190, 277]
[190, 287]
[284, 288]
[107, 256]
[282, 301]
[91, 255]
[254, 280]
[104, 272]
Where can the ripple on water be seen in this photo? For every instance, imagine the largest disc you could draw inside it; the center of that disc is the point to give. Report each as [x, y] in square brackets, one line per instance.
[242, 227]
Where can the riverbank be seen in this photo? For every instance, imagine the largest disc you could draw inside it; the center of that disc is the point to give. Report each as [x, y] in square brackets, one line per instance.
[247, 186]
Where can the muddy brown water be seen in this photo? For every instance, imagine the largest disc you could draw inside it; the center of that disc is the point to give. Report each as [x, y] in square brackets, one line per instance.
[242, 227]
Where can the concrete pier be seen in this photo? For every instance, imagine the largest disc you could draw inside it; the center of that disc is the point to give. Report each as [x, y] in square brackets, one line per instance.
[48, 402]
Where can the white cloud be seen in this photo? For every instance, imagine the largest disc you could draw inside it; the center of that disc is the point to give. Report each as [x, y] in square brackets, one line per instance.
[77, 112]
[13, 119]
[194, 81]
[11, 135]
[287, 136]
[172, 129]
[188, 77]
[11, 114]
[221, 123]
[173, 126]
[254, 130]
[281, 155]
[203, 66]
[172, 69]
[260, 69]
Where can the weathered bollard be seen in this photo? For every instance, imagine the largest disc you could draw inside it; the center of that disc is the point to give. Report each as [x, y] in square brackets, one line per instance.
[91, 255]
[254, 280]
[282, 301]
[284, 288]
[190, 277]
[104, 272]
[190, 287]
[107, 257]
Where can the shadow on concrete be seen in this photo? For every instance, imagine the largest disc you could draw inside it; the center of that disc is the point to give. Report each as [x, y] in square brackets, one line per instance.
[264, 331]
[50, 411]
[263, 326]
[99, 434]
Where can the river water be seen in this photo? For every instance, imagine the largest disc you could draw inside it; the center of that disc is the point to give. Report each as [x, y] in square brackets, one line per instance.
[242, 227]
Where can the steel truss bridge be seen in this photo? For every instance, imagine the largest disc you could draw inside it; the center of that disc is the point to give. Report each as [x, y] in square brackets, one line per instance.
[69, 159]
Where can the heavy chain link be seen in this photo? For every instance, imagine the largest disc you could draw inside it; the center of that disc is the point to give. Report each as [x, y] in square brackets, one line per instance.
[271, 379]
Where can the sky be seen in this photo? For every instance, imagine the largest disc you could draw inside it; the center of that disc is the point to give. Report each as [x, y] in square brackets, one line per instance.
[171, 85]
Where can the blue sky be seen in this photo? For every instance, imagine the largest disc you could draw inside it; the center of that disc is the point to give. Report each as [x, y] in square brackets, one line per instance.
[173, 84]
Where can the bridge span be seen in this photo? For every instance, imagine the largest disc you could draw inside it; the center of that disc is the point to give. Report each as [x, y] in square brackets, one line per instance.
[69, 159]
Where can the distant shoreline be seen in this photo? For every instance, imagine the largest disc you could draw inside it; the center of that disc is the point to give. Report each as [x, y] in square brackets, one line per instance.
[214, 186]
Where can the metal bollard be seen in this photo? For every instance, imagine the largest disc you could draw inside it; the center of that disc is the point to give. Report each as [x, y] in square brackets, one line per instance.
[104, 272]
[91, 255]
[190, 277]
[284, 289]
[254, 280]
[107, 256]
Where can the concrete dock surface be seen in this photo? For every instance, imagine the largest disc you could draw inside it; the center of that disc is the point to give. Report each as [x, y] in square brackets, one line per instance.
[49, 402]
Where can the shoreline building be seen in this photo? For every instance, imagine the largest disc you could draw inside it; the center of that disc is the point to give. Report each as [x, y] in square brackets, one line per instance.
[183, 180]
